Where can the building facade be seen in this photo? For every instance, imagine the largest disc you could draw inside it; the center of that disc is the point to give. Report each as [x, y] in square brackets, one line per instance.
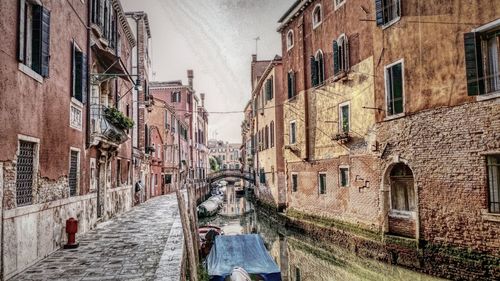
[267, 100]
[226, 154]
[66, 148]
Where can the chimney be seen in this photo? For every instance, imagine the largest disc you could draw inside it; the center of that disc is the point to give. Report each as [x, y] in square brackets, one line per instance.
[202, 96]
[190, 78]
[254, 57]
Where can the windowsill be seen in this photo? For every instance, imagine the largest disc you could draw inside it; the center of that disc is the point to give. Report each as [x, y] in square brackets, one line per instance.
[289, 48]
[490, 216]
[488, 96]
[402, 214]
[30, 72]
[294, 98]
[317, 25]
[340, 5]
[387, 25]
[77, 103]
[395, 116]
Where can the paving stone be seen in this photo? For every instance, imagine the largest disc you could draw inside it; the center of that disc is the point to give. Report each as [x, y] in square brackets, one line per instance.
[128, 247]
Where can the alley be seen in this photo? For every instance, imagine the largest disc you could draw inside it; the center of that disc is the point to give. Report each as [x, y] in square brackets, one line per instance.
[128, 247]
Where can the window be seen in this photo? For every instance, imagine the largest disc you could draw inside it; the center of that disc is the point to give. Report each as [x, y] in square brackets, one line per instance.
[79, 74]
[340, 55]
[25, 172]
[339, 3]
[118, 172]
[168, 179]
[322, 183]
[104, 16]
[493, 163]
[291, 84]
[394, 88]
[289, 39]
[262, 176]
[176, 96]
[167, 125]
[344, 118]
[271, 133]
[387, 12]
[317, 16]
[297, 274]
[73, 176]
[293, 136]
[344, 176]
[34, 37]
[402, 190]
[482, 64]
[317, 69]
[294, 182]
[269, 89]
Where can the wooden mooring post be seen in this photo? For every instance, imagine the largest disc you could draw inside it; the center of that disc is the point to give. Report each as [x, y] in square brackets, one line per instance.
[191, 245]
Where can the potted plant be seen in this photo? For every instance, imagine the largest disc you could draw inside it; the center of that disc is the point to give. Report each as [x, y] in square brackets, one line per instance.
[117, 118]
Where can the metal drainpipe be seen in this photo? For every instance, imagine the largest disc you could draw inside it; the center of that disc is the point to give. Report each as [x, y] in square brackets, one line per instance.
[306, 96]
[89, 84]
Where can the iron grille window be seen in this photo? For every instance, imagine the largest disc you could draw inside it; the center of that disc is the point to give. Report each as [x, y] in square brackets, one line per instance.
[25, 171]
[494, 183]
[73, 173]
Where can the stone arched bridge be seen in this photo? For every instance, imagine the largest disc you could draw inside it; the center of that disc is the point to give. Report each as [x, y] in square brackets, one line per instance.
[230, 173]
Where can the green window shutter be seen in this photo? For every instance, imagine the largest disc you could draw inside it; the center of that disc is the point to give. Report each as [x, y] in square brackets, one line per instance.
[379, 12]
[78, 76]
[336, 62]
[36, 47]
[20, 46]
[293, 83]
[473, 64]
[45, 42]
[289, 83]
[397, 87]
[314, 72]
[271, 93]
[84, 77]
[320, 69]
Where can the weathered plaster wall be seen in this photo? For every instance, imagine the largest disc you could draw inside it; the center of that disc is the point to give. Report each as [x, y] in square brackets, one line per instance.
[33, 232]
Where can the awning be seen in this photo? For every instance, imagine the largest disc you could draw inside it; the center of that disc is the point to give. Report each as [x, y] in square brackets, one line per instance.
[111, 63]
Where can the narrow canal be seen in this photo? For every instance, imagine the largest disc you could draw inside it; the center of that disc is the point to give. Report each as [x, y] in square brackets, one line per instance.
[298, 259]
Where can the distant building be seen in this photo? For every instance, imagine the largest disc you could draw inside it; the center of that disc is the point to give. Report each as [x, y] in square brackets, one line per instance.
[227, 154]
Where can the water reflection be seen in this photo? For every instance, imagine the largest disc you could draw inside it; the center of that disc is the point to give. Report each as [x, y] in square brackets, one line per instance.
[300, 260]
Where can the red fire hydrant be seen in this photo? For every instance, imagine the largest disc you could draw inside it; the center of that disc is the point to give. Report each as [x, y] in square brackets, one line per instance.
[71, 230]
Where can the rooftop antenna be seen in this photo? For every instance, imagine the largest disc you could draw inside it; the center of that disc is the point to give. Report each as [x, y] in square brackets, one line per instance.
[256, 44]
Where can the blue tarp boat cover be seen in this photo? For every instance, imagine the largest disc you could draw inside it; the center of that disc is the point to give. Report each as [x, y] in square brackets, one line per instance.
[246, 251]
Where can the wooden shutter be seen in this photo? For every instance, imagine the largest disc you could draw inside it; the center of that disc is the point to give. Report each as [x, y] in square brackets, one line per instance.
[77, 94]
[336, 65]
[45, 44]
[293, 83]
[101, 13]
[289, 80]
[314, 72]
[36, 42]
[379, 12]
[20, 39]
[271, 93]
[84, 77]
[473, 64]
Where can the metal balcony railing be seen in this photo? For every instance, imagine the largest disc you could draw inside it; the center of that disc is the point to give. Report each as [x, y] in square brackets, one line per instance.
[101, 127]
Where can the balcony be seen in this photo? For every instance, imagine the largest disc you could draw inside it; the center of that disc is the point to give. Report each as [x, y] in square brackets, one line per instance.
[104, 129]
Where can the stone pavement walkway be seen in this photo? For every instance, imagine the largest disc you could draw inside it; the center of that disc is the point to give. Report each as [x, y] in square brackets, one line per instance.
[130, 247]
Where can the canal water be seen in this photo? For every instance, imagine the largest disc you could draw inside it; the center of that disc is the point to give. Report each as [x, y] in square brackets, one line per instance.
[300, 260]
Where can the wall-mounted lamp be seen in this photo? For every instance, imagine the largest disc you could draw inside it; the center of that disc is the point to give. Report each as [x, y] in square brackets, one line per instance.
[137, 85]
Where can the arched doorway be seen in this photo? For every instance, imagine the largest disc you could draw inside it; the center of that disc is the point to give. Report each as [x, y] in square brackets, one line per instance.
[402, 198]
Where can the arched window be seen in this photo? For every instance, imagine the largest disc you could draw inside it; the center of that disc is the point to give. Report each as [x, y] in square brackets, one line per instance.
[402, 188]
[289, 39]
[317, 16]
[340, 55]
[317, 69]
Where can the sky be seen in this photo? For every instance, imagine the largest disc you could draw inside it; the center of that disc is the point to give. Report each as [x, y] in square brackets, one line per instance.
[215, 38]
